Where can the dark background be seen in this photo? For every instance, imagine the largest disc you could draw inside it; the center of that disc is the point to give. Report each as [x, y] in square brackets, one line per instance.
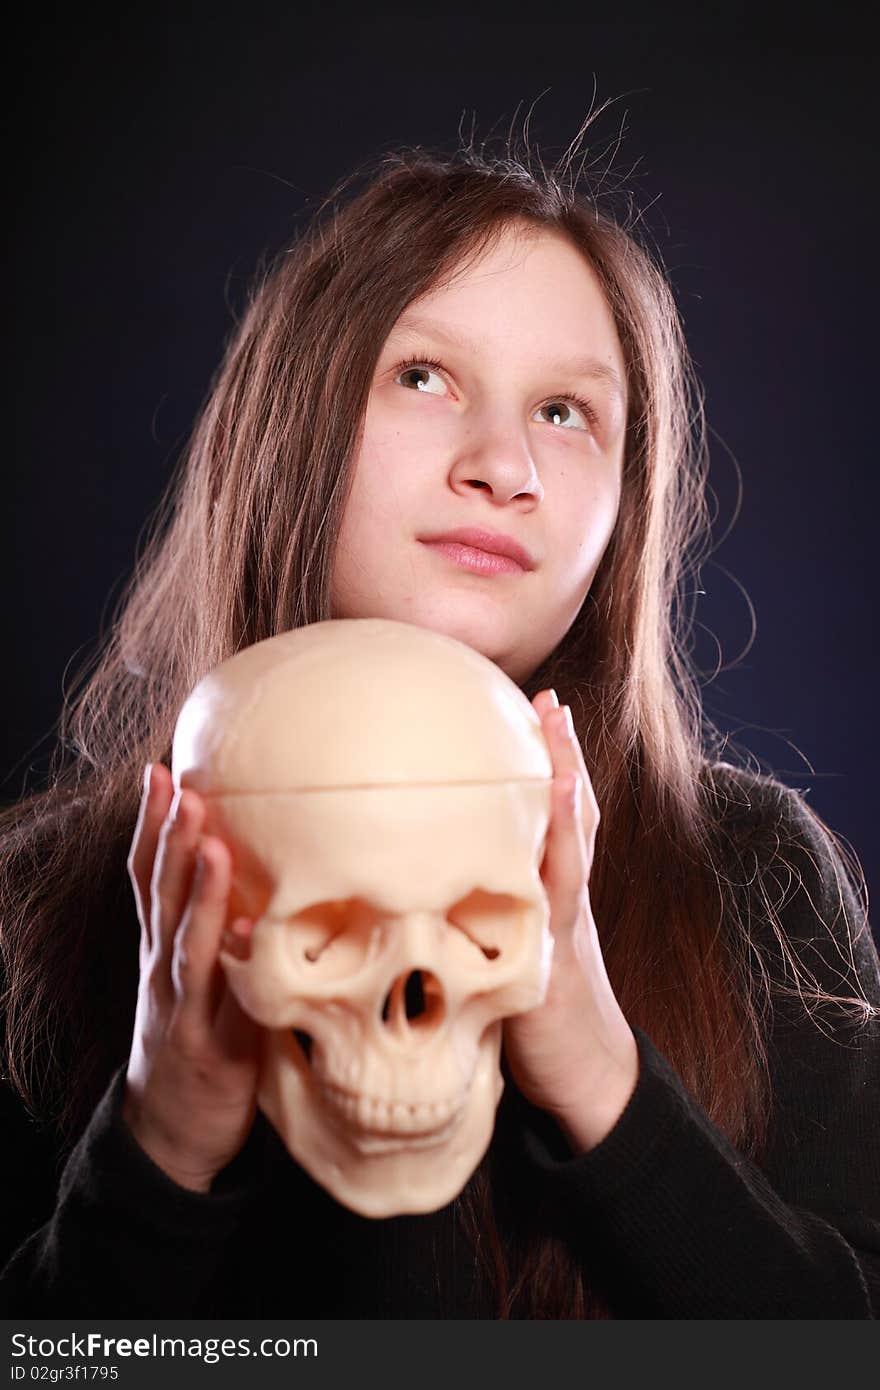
[159, 154]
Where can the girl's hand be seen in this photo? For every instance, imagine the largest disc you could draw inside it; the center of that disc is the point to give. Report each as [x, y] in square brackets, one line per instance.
[190, 1096]
[575, 1055]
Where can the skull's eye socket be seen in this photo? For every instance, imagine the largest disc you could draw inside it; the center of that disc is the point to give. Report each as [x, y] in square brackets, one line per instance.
[491, 923]
[336, 938]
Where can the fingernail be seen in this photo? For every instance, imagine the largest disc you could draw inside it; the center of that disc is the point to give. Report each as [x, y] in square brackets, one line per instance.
[555, 698]
[563, 723]
[148, 773]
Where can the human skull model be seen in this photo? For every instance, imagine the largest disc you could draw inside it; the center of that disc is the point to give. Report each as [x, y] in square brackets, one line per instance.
[385, 793]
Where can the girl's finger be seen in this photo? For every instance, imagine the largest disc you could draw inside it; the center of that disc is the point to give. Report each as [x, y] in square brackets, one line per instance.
[544, 702]
[565, 867]
[195, 966]
[175, 864]
[155, 801]
[237, 938]
[568, 756]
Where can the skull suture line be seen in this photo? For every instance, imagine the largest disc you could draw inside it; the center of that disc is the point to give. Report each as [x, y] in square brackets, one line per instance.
[385, 794]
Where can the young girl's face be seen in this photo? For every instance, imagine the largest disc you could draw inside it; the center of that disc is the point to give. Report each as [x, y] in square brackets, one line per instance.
[492, 437]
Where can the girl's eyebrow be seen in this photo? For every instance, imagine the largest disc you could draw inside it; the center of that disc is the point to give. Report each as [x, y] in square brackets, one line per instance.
[578, 366]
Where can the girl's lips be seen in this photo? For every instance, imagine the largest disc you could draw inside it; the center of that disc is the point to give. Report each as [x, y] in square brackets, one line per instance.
[477, 561]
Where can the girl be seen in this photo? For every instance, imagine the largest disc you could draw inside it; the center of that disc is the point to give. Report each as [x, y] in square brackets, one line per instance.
[467, 345]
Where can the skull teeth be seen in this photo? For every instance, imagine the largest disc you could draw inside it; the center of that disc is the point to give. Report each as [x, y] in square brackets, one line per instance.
[387, 1116]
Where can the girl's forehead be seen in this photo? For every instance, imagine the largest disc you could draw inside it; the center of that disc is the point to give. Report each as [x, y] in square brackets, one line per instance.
[511, 248]
[552, 306]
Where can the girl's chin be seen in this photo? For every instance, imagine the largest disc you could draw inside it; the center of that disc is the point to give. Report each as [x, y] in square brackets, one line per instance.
[485, 636]
[484, 631]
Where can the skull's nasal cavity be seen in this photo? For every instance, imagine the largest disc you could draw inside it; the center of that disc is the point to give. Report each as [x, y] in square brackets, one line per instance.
[416, 997]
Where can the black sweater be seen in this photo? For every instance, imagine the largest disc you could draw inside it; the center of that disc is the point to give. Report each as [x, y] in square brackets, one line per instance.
[665, 1216]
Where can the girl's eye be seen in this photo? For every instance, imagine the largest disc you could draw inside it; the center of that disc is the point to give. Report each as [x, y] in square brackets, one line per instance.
[560, 409]
[424, 365]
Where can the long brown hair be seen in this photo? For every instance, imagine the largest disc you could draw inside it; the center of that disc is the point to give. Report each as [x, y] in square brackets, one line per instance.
[242, 548]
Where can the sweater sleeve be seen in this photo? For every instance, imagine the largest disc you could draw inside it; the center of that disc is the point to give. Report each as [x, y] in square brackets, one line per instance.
[123, 1239]
[681, 1223]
